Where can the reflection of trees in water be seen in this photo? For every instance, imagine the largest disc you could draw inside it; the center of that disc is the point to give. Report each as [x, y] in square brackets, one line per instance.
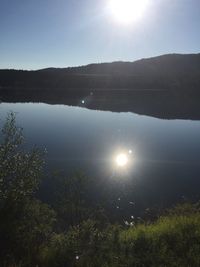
[161, 104]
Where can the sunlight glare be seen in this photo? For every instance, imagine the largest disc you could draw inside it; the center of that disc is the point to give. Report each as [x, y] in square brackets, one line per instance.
[121, 160]
[127, 11]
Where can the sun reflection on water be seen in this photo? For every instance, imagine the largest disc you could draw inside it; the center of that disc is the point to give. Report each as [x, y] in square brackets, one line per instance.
[123, 159]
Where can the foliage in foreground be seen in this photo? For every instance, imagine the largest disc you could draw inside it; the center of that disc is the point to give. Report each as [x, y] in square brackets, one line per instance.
[71, 234]
[173, 241]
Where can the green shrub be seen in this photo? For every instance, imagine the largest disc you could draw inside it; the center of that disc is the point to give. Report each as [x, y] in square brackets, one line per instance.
[171, 241]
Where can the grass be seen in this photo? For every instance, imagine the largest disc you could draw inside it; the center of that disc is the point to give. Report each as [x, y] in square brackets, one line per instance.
[172, 241]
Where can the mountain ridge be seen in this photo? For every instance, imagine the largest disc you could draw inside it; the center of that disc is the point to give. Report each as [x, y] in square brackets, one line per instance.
[116, 64]
[166, 86]
[165, 72]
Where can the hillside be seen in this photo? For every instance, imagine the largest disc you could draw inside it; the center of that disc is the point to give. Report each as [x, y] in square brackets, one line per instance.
[164, 86]
[163, 72]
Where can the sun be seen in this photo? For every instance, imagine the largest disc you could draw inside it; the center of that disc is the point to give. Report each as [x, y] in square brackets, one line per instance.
[127, 11]
[121, 160]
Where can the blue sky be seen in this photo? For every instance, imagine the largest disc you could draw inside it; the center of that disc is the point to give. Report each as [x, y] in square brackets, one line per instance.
[58, 33]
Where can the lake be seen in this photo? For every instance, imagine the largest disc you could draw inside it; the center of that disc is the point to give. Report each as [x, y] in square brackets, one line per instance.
[163, 155]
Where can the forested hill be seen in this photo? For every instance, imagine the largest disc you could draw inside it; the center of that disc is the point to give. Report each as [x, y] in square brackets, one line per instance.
[173, 71]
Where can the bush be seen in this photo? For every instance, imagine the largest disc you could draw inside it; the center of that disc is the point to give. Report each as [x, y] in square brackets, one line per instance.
[25, 222]
[171, 241]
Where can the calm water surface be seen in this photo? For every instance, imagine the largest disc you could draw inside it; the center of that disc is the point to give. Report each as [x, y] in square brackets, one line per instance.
[165, 159]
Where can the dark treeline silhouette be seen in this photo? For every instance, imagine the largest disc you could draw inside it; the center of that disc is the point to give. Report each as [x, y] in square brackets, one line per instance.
[163, 72]
[166, 86]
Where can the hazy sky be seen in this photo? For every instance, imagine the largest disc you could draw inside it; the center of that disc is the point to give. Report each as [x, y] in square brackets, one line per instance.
[43, 33]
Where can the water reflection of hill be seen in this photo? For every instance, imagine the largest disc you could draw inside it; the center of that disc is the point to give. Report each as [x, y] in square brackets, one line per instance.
[157, 103]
